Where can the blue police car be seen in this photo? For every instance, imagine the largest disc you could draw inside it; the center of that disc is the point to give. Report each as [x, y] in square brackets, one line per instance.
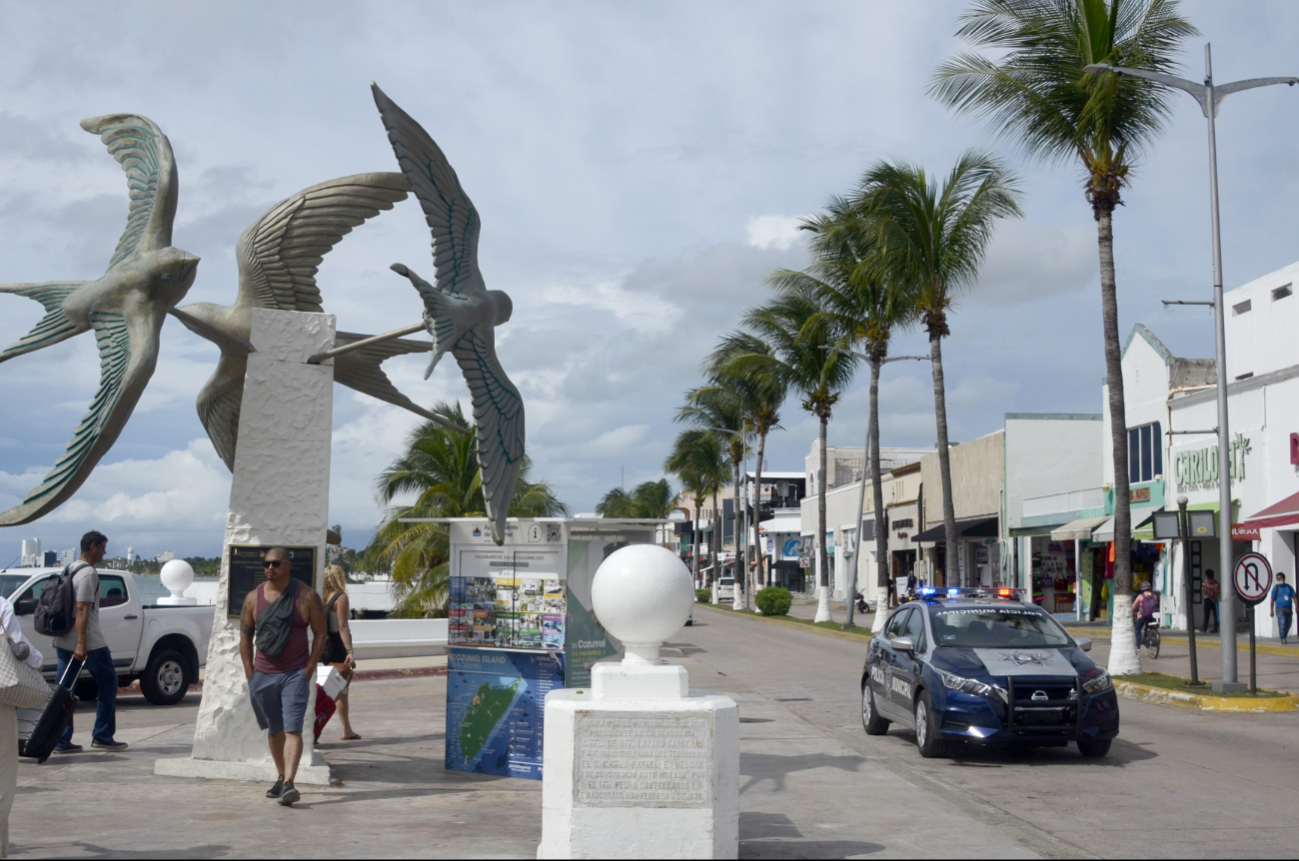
[980, 666]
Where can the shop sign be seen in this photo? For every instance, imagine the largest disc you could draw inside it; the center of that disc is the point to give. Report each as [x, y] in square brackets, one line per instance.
[902, 536]
[1197, 469]
[1139, 494]
[1244, 532]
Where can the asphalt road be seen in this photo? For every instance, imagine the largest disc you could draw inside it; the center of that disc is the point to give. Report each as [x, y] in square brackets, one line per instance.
[1176, 783]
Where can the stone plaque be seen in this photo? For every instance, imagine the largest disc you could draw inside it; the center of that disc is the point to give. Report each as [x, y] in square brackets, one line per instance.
[643, 759]
[247, 571]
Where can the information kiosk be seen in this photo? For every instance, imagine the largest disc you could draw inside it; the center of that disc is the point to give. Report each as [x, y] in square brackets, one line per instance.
[519, 625]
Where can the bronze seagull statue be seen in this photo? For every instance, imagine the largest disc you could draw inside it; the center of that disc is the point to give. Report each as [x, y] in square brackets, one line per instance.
[126, 308]
[278, 258]
[460, 312]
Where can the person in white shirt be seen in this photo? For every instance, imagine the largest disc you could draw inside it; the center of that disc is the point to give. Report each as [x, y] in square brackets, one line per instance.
[9, 720]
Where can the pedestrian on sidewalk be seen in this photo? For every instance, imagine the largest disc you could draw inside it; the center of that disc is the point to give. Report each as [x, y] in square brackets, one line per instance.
[24, 652]
[1282, 603]
[1144, 607]
[338, 640]
[1211, 592]
[85, 642]
[280, 674]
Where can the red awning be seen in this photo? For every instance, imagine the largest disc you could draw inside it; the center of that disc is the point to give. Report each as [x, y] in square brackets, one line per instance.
[1283, 513]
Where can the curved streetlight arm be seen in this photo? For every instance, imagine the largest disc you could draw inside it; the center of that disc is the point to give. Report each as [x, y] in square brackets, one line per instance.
[1209, 95]
[867, 358]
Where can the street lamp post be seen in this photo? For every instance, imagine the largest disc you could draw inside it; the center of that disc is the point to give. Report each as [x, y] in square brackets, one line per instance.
[854, 550]
[741, 519]
[1210, 96]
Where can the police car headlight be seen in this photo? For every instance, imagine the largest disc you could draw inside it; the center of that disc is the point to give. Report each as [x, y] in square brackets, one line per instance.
[1100, 683]
[953, 682]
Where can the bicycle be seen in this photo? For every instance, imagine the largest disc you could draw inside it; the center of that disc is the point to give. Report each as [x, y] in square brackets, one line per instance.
[1151, 639]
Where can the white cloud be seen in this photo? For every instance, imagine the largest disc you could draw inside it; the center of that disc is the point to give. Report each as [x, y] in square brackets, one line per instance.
[773, 231]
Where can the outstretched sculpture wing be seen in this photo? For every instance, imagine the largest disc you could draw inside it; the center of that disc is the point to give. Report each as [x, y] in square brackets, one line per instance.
[219, 402]
[447, 209]
[144, 153]
[126, 362]
[280, 253]
[498, 413]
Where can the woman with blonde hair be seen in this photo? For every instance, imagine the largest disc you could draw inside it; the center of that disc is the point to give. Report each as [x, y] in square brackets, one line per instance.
[338, 641]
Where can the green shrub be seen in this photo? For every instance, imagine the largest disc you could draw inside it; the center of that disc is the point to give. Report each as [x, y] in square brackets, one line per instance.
[773, 601]
[704, 596]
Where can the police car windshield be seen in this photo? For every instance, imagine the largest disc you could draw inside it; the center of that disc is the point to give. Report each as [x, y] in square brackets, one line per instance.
[996, 627]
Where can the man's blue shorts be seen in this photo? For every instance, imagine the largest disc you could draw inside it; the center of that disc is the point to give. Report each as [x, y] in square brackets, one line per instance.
[279, 700]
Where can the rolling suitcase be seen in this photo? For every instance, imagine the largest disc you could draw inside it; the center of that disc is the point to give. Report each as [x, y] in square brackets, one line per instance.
[56, 716]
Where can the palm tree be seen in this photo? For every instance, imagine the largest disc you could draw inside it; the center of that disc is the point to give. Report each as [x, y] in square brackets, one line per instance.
[931, 240]
[697, 459]
[866, 309]
[802, 351]
[741, 364]
[718, 408]
[1036, 92]
[653, 500]
[440, 467]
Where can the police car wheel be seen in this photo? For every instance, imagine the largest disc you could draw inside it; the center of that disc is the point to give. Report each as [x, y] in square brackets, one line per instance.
[1094, 748]
[870, 716]
[928, 737]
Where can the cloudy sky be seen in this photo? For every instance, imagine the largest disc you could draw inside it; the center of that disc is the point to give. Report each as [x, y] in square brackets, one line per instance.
[639, 169]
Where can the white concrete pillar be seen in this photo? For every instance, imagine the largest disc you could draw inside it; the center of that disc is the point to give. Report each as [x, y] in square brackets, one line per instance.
[279, 495]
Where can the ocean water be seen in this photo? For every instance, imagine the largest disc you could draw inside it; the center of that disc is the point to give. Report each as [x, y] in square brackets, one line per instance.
[151, 588]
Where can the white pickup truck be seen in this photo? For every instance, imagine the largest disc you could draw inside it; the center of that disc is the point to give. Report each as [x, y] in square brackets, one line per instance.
[163, 647]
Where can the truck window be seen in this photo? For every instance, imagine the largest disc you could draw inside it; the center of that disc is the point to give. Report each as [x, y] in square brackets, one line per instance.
[10, 582]
[112, 590]
[34, 591]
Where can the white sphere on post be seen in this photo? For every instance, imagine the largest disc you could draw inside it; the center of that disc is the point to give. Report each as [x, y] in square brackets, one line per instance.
[176, 577]
[642, 594]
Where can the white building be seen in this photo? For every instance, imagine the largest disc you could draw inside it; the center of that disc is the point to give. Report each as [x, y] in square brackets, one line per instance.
[31, 555]
[845, 468]
[1263, 412]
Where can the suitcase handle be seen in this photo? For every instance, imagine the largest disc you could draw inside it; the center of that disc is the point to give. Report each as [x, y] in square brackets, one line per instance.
[79, 665]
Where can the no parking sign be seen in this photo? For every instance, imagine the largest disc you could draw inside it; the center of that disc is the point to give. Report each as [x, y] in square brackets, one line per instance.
[1252, 578]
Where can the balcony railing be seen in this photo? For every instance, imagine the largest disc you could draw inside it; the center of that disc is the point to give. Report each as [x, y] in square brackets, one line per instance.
[1070, 500]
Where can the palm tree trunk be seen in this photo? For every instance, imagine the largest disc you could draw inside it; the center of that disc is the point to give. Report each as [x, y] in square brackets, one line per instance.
[715, 543]
[694, 539]
[822, 554]
[1123, 645]
[877, 487]
[758, 579]
[950, 549]
[738, 599]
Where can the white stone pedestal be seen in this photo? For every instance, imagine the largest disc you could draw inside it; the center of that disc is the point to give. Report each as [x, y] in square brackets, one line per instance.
[649, 776]
[280, 495]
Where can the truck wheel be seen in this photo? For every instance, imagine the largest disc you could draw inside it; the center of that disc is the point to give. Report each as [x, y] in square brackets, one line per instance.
[166, 680]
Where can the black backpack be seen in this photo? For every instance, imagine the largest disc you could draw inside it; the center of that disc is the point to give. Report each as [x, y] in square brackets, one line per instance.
[56, 610]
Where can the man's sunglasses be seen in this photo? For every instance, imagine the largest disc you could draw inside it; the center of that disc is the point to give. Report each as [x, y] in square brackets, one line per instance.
[273, 563]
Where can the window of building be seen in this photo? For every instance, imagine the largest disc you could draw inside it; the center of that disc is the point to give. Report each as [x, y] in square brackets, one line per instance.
[1282, 292]
[1242, 308]
[1145, 452]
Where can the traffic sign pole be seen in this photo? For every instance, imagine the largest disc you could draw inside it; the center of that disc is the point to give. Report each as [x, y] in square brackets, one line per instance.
[1251, 578]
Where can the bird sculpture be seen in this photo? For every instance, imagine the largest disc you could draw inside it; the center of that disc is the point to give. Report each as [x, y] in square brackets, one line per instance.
[460, 312]
[126, 307]
[278, 258]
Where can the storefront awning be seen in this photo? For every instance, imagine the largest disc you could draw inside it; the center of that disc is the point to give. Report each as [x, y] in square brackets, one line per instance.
[1283, 513]
[974, 527]
[1105, 532]
[1077, 530]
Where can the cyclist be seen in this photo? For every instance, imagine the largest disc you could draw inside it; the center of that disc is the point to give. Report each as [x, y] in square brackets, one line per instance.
[1144, 607]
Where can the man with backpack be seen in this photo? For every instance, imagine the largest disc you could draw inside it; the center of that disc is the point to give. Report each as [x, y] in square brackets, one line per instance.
[279, 664]
[82, 639]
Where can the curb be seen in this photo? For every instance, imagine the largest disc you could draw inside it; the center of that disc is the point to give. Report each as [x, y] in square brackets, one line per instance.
[799, 626]
[133, 689]
[1202, 702]
[1183, 640]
